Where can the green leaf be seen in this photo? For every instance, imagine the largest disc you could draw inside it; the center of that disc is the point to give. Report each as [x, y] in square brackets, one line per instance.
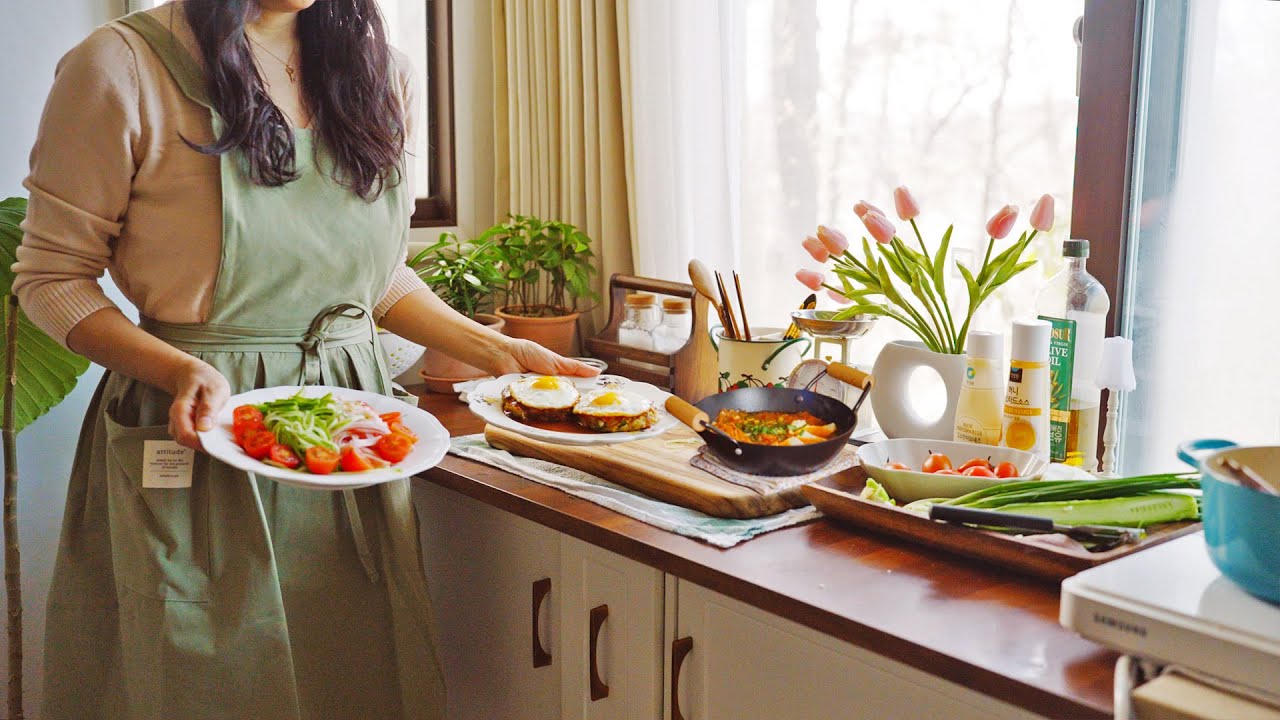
[939, 263]
[972, 285]
[47, 372]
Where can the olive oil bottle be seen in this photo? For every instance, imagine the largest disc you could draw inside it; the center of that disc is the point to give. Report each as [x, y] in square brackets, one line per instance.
[1073, 296]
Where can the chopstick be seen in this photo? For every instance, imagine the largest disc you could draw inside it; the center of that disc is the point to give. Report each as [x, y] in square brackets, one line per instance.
[746, 328]
[728, 308]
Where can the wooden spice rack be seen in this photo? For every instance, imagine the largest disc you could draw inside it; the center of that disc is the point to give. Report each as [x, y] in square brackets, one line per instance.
[689, 372]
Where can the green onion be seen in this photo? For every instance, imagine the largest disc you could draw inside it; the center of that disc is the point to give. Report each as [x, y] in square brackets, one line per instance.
[1028, 491]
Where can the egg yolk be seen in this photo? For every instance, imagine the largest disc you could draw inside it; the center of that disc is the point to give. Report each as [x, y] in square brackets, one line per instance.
[605, 399]
[546, 383]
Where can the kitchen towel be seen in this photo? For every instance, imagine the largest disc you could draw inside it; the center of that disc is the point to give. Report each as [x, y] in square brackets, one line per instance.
[720, 532]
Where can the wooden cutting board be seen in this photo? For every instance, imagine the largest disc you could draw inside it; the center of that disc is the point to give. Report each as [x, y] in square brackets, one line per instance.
[658, 467]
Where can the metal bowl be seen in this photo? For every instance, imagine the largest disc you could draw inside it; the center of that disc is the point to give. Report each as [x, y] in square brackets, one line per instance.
[823, 324]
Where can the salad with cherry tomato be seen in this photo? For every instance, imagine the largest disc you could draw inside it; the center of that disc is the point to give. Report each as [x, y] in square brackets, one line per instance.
[940, 464]
[321, 435]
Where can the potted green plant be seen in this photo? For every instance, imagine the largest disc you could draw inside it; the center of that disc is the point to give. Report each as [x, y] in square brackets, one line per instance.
[40, 373]
[547, 267]
[467, 277]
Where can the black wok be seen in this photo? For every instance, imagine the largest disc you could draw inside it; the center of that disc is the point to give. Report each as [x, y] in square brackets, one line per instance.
[775, 460]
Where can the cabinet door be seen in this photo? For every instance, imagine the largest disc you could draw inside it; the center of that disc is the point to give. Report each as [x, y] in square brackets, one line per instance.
[612, 613]
[746, 664]
[482, 565]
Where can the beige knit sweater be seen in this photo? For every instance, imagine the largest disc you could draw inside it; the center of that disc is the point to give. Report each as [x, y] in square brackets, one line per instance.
[114, 188]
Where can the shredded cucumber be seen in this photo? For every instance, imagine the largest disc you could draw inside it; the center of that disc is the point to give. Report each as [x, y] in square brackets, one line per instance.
[302, 422]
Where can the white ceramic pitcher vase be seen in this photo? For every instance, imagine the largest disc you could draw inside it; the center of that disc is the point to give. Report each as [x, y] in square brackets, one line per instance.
[891, 397]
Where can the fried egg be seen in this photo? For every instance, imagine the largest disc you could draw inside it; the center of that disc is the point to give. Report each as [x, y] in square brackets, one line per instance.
[544, 393]
[612, 403]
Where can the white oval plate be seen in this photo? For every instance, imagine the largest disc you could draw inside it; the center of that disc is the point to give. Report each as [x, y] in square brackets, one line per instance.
[910, 485]
[486, 402]
[433, 440]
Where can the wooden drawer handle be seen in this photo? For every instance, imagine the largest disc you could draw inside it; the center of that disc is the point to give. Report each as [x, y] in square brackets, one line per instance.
[599, 690]
[680, 648]
[541, 589]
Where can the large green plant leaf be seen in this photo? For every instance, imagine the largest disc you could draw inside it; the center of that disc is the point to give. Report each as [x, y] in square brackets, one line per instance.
[47, 372]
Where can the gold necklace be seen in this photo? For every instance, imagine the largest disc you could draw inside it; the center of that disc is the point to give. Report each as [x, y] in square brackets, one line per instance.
[289, 69]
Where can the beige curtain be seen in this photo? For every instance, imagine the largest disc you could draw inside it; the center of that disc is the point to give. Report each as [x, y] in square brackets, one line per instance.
[561, 122]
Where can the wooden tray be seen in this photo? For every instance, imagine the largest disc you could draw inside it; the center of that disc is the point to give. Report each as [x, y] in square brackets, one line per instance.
[658, 468]
[838, 499]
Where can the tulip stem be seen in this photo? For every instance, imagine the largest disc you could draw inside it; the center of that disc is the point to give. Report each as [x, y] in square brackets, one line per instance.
[919, 237]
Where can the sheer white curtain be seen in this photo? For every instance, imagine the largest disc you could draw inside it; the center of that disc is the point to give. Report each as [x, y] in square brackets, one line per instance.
[686, 93]
[754, 121]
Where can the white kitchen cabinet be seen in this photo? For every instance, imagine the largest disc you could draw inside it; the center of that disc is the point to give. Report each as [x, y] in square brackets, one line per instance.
[746, 664]
[483, 565]
[612, 616]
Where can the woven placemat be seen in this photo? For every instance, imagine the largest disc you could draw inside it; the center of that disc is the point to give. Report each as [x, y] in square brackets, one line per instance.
[766, 484]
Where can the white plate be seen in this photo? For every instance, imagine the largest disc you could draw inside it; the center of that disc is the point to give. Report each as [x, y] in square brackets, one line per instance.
[910, 485]
[433, 440]
[486, 402]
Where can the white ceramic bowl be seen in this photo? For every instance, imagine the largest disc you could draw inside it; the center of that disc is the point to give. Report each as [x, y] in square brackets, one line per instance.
[909, 485]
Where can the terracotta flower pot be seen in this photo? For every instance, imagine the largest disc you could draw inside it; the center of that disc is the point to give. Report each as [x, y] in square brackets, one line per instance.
[441, 371]
[555, 333]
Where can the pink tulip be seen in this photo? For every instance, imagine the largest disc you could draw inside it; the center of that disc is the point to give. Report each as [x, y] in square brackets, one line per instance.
[833, 239]
[863, 207]
[906, 205]
[838, 297]
[816, 248]
[1042, 213]
[879, 227]
[810, 279]
[1002, 222]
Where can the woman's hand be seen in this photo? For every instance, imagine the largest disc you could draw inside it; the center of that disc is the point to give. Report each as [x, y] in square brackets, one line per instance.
[199, 392]
[528, 356]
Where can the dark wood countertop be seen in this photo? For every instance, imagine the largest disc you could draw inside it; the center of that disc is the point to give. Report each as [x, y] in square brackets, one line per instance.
[982, 628]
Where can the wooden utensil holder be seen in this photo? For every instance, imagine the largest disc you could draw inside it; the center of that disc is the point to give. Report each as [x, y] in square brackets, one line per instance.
[689, 372]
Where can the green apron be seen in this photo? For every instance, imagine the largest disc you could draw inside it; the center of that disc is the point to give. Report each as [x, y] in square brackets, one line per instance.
[239, 597]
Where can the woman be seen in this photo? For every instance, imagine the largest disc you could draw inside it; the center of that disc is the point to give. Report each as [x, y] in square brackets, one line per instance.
[238, 167]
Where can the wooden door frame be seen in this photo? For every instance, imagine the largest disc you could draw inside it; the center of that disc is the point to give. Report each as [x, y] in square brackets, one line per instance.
[1109, 72]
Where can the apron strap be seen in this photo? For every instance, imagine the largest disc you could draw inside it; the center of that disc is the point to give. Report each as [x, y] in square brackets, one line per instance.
[187, 72]
[313, 344]
[313, 371]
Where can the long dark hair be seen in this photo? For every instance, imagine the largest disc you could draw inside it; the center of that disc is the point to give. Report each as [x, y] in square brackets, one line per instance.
[347, 85]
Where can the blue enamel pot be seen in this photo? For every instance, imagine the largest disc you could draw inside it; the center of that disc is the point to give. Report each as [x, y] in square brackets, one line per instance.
[1241, 525]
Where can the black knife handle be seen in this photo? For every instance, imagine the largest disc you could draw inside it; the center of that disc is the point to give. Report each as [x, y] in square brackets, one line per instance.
[994, 518]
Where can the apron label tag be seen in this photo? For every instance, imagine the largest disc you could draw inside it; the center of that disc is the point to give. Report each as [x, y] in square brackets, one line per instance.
[166, 464]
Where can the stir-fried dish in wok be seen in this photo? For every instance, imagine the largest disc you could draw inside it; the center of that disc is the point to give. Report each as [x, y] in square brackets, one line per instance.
[774, 428]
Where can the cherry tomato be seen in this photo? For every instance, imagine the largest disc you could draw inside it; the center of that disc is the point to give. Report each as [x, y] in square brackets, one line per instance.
[1007, 470]
[895, 466]
[246, 416]
[391, 417]
[354, 461]
[946, 471]
[394, 447]
[284, 456]
[976, 462]
[936, 463]
[400, 428]
[321, 461]
[979, 471]
[258, 443]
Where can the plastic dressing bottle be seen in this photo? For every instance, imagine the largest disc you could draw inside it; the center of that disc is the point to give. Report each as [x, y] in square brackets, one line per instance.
[1026, 404]
[978, 411]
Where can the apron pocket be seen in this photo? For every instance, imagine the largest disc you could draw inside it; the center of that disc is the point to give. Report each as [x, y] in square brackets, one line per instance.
[159, 536]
